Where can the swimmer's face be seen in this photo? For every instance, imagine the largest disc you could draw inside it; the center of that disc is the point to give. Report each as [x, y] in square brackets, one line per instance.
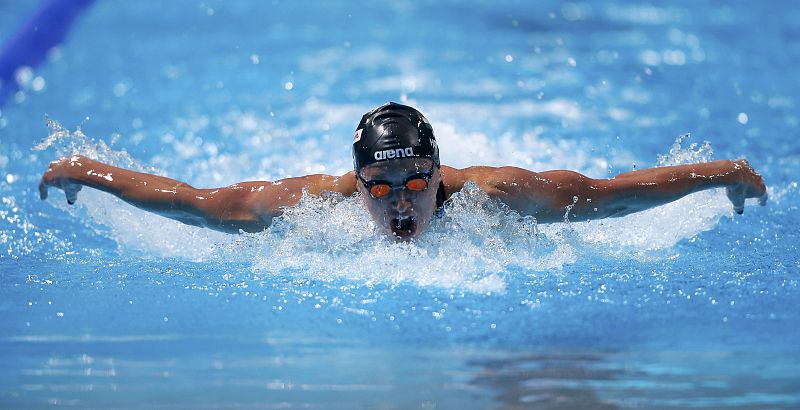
[402, 212]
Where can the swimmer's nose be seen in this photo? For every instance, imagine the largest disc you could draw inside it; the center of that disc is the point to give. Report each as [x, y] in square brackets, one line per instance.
[402, 201]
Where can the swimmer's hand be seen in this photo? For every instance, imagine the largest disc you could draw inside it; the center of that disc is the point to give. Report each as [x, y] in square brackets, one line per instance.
[59, 175]
[749, 184]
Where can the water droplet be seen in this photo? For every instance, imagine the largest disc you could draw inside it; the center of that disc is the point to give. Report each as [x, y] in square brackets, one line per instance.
[120, 89]
[650, 57]
[23, 75]
[38, 84]
[742, 118]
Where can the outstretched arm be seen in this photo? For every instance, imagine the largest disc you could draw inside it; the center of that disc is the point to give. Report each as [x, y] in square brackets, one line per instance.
[546, 195]
[249, 206]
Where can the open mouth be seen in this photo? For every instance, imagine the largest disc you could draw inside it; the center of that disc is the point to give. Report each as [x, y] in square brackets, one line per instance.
[404, 227]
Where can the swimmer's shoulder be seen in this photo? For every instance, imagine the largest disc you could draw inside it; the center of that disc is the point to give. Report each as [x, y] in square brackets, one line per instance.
[455, 178]
[492, 180]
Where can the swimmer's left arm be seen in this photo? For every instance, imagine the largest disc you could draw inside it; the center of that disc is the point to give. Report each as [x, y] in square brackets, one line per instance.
[245, 206]
[546, 195]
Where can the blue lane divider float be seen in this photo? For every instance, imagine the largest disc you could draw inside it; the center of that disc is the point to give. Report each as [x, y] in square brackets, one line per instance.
[28, 47]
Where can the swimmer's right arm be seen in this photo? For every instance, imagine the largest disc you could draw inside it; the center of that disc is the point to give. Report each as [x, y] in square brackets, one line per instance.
[549, 195]
[246, 206]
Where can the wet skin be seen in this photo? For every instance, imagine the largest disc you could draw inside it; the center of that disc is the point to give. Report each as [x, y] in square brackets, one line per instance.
[403, 213]
[252, 206]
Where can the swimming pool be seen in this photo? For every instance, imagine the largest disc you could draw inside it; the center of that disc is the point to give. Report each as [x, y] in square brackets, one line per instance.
[686, 305]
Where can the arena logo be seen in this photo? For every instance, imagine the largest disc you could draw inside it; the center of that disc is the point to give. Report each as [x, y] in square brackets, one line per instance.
[394, 153]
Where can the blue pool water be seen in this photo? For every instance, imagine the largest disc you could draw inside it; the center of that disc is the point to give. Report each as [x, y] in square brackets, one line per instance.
[686, 305]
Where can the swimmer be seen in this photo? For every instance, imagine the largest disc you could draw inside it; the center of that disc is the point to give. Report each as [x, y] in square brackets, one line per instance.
[403, 185]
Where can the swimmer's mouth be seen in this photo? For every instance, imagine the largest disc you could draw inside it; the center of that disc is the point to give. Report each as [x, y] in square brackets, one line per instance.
[404, 227]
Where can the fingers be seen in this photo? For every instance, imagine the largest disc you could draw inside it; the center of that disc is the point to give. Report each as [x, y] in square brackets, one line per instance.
[55, 177]
[46, 182]
[736, 196]
[762, 190]
[71, 191]
[739, 209]
[42, 190]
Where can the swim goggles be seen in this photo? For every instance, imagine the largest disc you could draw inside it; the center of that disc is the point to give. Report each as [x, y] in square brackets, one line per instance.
[379, 188]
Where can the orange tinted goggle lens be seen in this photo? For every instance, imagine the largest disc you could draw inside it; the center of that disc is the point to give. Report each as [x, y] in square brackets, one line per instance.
[417, 184]
[381, 190]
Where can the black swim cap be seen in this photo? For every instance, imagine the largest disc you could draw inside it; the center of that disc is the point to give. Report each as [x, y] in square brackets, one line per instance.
[393, 131]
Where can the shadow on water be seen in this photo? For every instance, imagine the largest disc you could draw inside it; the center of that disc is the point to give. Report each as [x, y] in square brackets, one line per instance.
[667, 379]
[544, 381]
[315, 371]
